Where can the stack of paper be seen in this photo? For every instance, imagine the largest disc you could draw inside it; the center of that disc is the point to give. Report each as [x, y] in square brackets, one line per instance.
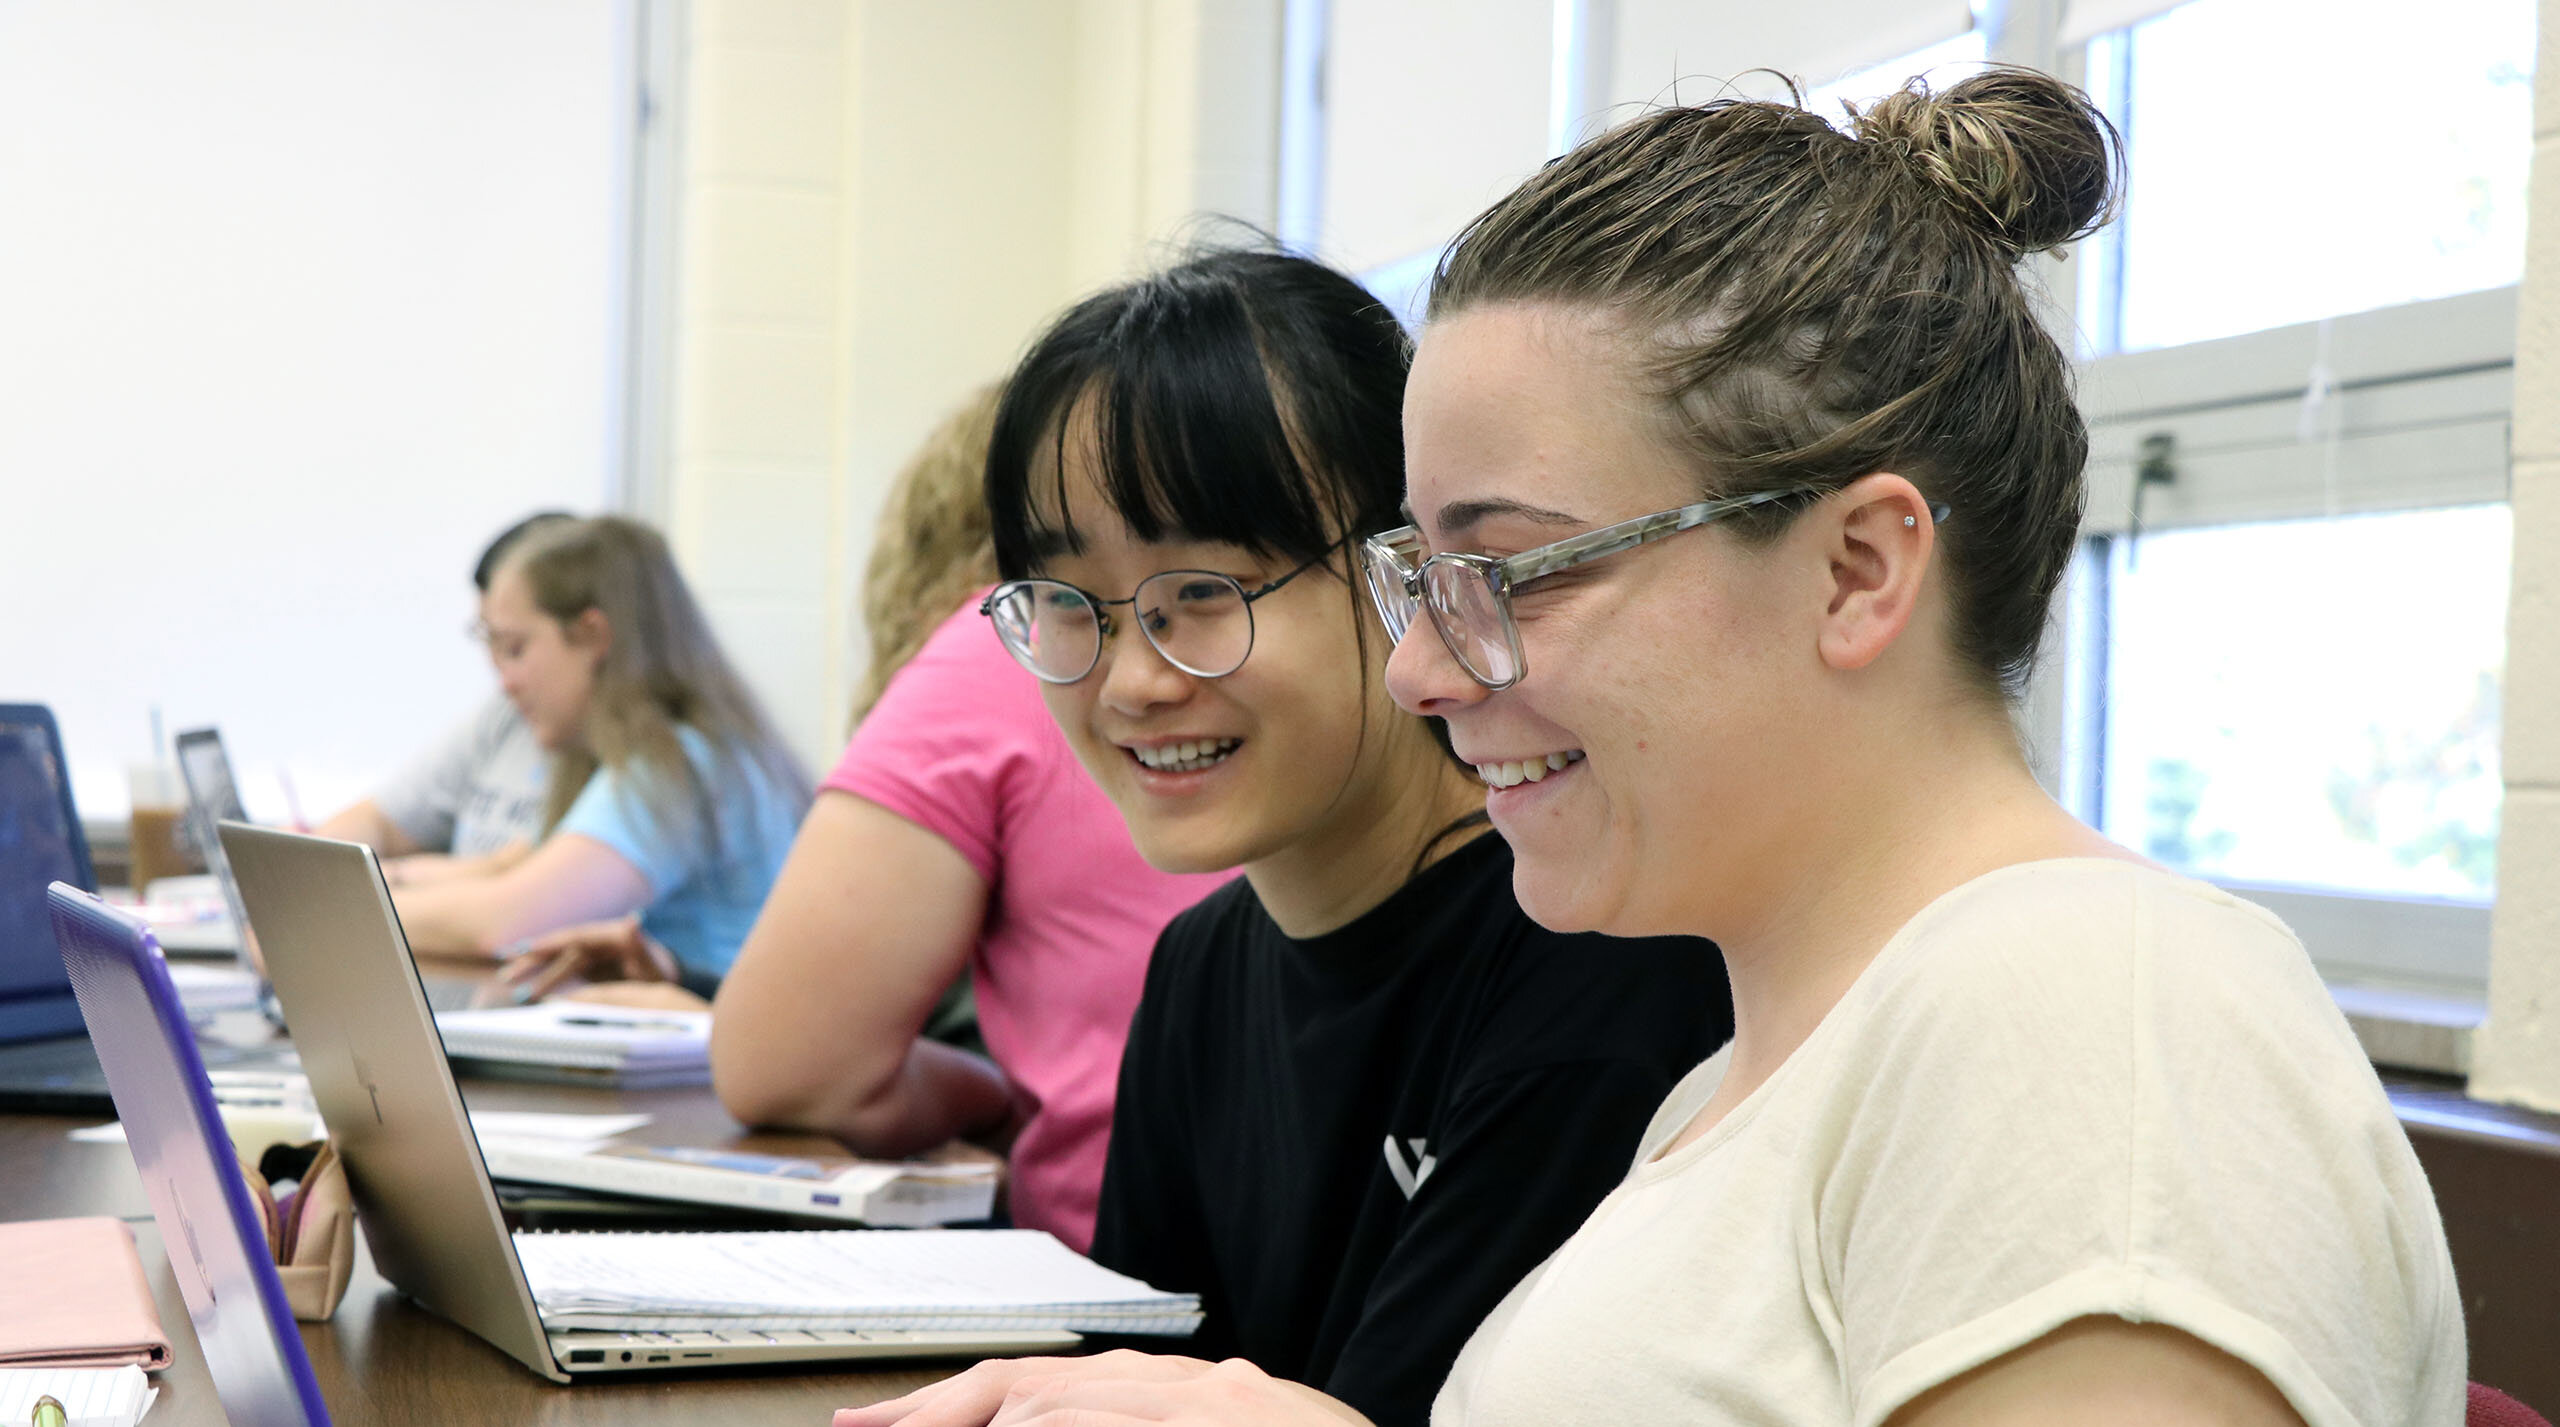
[90, 1397]
[839, 1279]
[581, 1043]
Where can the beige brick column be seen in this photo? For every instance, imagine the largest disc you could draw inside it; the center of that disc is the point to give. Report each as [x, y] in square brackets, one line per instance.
[2517, 1053]
[881, 201]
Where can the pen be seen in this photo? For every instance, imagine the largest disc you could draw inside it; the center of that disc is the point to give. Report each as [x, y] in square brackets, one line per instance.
[632, 1025]
[48, 1413]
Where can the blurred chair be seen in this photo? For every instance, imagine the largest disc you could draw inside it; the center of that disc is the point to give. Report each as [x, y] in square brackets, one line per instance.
[2492, 1408]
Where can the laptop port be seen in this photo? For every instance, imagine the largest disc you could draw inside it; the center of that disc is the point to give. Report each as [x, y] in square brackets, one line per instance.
[585, 1355]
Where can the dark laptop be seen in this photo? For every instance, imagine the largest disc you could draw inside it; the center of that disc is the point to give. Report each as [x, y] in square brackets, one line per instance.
[45, 1060]
[46, 1064]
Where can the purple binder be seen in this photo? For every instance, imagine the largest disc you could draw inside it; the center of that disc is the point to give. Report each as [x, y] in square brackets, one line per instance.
[215, 1237]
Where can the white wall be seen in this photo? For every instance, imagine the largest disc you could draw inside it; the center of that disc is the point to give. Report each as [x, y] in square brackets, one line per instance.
[300, 301]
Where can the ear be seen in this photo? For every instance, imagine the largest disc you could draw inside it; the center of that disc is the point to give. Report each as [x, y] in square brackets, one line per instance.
[1880, 540]
[591, 630]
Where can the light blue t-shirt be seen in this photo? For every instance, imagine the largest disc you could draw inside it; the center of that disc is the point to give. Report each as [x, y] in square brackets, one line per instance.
[701, 900]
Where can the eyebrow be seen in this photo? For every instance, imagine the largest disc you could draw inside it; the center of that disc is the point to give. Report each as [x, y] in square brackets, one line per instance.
[1461, 515]
[1049, 542]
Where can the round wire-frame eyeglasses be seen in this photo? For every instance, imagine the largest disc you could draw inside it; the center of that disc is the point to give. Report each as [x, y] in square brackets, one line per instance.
[1201, 621]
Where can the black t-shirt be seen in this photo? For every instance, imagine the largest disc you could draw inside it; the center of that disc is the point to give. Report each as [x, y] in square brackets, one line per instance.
[1352, 1146]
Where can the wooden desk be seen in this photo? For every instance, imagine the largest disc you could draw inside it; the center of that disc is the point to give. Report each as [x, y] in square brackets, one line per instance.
[383, 1359]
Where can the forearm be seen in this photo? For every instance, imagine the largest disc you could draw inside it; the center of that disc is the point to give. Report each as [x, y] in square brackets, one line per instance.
[365, 822]
[464, 916]
[422, 869]
[931, 1094]
[570, 879]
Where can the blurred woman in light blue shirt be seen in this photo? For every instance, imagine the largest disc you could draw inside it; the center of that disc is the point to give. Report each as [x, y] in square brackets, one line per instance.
[672, 801]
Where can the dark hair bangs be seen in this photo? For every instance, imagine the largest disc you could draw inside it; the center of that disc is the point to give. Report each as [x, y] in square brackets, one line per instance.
[1184, 394]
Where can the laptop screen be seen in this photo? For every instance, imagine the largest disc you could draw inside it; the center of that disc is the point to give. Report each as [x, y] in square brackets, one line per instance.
[210, 789]
[213, 797]
[40, 842]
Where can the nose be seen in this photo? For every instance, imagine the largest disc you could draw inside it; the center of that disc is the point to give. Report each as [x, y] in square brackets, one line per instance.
[1424, 677]
[1136, 677]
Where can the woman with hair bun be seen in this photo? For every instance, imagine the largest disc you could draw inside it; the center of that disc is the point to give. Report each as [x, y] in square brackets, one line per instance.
[1742, 469]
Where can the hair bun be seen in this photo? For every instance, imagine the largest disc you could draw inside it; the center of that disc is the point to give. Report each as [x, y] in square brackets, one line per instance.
[2028, 159]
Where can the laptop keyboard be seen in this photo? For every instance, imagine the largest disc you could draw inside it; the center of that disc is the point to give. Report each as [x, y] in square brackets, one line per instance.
[69, 1055]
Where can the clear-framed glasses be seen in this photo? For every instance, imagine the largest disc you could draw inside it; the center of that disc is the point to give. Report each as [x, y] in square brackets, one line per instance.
[1469, 596]
[1200, 620]
[496, 643]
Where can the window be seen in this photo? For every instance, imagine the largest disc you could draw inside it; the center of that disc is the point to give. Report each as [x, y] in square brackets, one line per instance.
[2291, 161]
[2311, 703]
[2286, 635]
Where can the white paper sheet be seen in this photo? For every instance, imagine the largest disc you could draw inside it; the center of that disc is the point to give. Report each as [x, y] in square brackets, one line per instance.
[823, 1274]
[543, 1125]
[90, 1397]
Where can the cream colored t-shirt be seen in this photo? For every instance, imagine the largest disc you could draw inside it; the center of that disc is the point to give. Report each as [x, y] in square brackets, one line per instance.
[2066, 1088]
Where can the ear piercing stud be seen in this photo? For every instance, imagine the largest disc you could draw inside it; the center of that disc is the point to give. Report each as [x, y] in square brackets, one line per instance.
[1909, 521]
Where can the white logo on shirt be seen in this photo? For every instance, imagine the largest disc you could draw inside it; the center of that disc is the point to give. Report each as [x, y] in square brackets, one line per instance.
[1410, 1174]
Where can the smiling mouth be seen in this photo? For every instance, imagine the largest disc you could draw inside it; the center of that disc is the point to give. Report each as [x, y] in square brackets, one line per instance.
[1190, 757]
[1529, 770]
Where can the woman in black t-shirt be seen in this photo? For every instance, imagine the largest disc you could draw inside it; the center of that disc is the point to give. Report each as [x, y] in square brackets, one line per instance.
[1364, 1094]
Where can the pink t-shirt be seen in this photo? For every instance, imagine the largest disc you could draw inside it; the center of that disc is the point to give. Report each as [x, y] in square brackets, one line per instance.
[961, 745]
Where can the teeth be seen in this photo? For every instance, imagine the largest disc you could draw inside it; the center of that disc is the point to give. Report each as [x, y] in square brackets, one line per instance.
[1512, 775]
[1187, 757]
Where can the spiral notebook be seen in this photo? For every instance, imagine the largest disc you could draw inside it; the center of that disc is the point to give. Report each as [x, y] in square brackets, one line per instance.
[90, 1397]
[839, 1279]
[581, 1043]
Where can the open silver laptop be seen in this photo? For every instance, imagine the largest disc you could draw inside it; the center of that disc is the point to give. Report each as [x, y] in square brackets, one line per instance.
[360, 1018]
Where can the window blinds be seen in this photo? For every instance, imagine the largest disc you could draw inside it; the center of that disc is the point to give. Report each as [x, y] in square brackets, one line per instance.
[1668, 50]
[2083, 20]
[1433, 109]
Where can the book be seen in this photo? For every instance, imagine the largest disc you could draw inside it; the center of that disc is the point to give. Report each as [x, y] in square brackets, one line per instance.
[581, 1044]
[904, 1196]
[94, 1309]
[838, 1279]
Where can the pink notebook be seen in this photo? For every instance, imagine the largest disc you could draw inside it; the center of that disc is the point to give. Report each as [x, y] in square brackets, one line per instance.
[72, 1295]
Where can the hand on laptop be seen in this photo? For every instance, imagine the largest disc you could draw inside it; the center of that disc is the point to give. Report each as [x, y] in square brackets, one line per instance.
[568, 959]
[1113, 1387]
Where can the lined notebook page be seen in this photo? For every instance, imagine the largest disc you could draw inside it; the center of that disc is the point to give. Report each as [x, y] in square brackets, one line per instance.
[852, 1278]
[90, 1397]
